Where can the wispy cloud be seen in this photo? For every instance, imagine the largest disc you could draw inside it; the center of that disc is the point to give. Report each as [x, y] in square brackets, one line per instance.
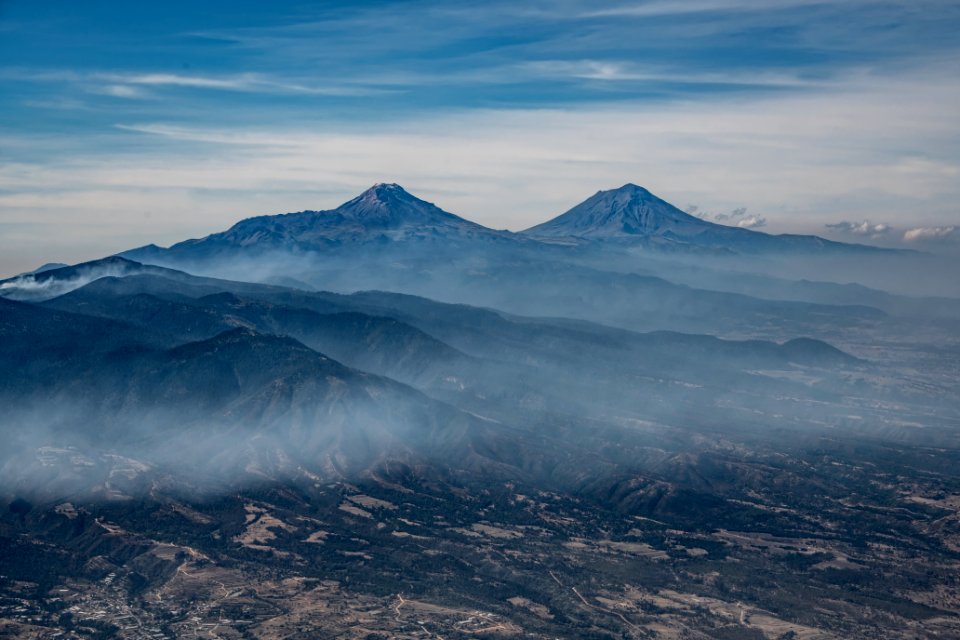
[740, 42]
[622, 71]
[118, 90]
[866, 228]
[246, 82]
[653, 8]
[243, 82]
[752, 222]
[736, 218]
[132, 84]
[881, 231]
[241, 136]
[918, 234]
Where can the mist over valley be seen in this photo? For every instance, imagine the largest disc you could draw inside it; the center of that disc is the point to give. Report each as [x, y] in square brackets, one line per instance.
[433, 320]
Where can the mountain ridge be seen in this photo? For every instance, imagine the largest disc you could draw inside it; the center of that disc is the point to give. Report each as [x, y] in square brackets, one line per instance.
[631, 213]
[387, 214]
[628, 210]
[384, 213]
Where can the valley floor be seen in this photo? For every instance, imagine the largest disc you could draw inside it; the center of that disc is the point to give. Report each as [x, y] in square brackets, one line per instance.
[843, 551]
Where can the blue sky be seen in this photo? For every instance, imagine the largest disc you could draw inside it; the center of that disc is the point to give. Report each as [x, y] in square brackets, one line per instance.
[129, 123]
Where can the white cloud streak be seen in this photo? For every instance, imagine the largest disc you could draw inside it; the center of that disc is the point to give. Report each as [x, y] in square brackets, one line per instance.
[752, 222]
[863, 228]
[131, 84]
[654, 8]
[119, 91]
[246, 82]
[737, 218]
[918, 234]
[623, 71]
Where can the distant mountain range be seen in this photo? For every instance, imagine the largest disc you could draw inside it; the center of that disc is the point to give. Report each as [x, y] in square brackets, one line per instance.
[526, 287]
[386, 214]
[601, 261]
[345, 380]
